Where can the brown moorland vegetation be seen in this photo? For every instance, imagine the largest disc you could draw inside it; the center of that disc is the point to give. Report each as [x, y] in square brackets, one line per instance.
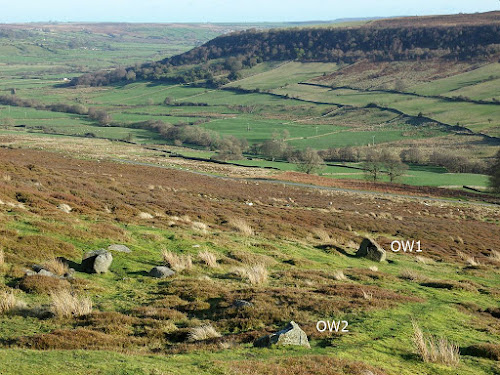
[98, 190]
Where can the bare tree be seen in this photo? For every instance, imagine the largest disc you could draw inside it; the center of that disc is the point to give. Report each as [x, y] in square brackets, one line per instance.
[308, 161]
[495, 174]
[373, 164]
[393, 165]
[273, 148]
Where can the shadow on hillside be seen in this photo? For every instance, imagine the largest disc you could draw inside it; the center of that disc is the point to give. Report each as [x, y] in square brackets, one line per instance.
[328, 248]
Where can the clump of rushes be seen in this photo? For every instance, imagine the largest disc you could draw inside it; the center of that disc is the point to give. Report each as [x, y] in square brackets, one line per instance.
[176, 262]
[435, 350]
[203, 332]
[208, 258]
[65, 305]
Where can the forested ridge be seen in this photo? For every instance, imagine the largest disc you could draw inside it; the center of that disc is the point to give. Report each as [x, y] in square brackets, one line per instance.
[230, 53]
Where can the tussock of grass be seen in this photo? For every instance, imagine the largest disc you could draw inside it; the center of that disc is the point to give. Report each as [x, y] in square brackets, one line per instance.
[203, 332]
[200, 227]
[423, 260]
[208, 258]
[176, 262]
[321, 234]
[435, 350]
[256, 274]
[495, 255]
[373, 268]
[472, 262]
[65, 305]
[411, 275]
[339, 275]
[2, 258]
[56, 267]
[367, 295]
[241, 226]
[9, 303]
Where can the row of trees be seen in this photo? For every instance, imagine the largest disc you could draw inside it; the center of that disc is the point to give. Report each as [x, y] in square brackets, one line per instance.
[99, 115]
[452, 160]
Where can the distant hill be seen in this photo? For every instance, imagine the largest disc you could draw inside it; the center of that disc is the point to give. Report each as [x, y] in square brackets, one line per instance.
[475, 19]
[455, 37]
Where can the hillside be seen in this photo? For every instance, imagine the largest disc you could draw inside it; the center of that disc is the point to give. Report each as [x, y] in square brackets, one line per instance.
[303, 240]
[406, 39]
[170, 217]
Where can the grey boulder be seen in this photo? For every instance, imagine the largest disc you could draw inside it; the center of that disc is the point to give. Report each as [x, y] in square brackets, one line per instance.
[371, 250]
[292, 334]
[97, 261]
[161, 272]
[241, 303]
[119, 248]
[44, 272]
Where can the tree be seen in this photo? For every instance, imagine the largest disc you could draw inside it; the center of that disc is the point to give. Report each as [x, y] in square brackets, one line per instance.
[231, 148]
[308, 161]
[100, 116]
[373, 164]
[413, 155]
[393, 165]
[8, 122]
[495, 174]
[273, 148]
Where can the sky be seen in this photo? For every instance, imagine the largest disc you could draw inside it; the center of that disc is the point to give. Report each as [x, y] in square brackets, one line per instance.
[12, 11]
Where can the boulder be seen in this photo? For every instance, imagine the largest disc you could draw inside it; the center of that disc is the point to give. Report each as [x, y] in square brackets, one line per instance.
[292, 334]
[161, 272]
[97, 261]
[241, 303]
[119, 248]
[44, 272]
[371, 250]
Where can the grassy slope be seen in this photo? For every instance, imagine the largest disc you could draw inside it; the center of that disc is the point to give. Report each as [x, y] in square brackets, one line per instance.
[383, 335]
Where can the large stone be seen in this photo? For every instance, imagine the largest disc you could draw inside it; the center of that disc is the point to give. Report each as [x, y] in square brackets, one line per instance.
[119, 248]
[161, 272]
[292, 334]
[97, 261]
[371, 250]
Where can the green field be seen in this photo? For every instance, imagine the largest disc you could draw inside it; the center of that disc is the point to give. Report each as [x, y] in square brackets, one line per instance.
[254, 116]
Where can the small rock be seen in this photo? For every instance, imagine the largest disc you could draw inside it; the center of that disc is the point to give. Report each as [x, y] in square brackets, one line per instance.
[119, 248]
[29, 272]
[371, 250]
[241, 303]
[97, 261]
[161, 272]
[292, 334]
